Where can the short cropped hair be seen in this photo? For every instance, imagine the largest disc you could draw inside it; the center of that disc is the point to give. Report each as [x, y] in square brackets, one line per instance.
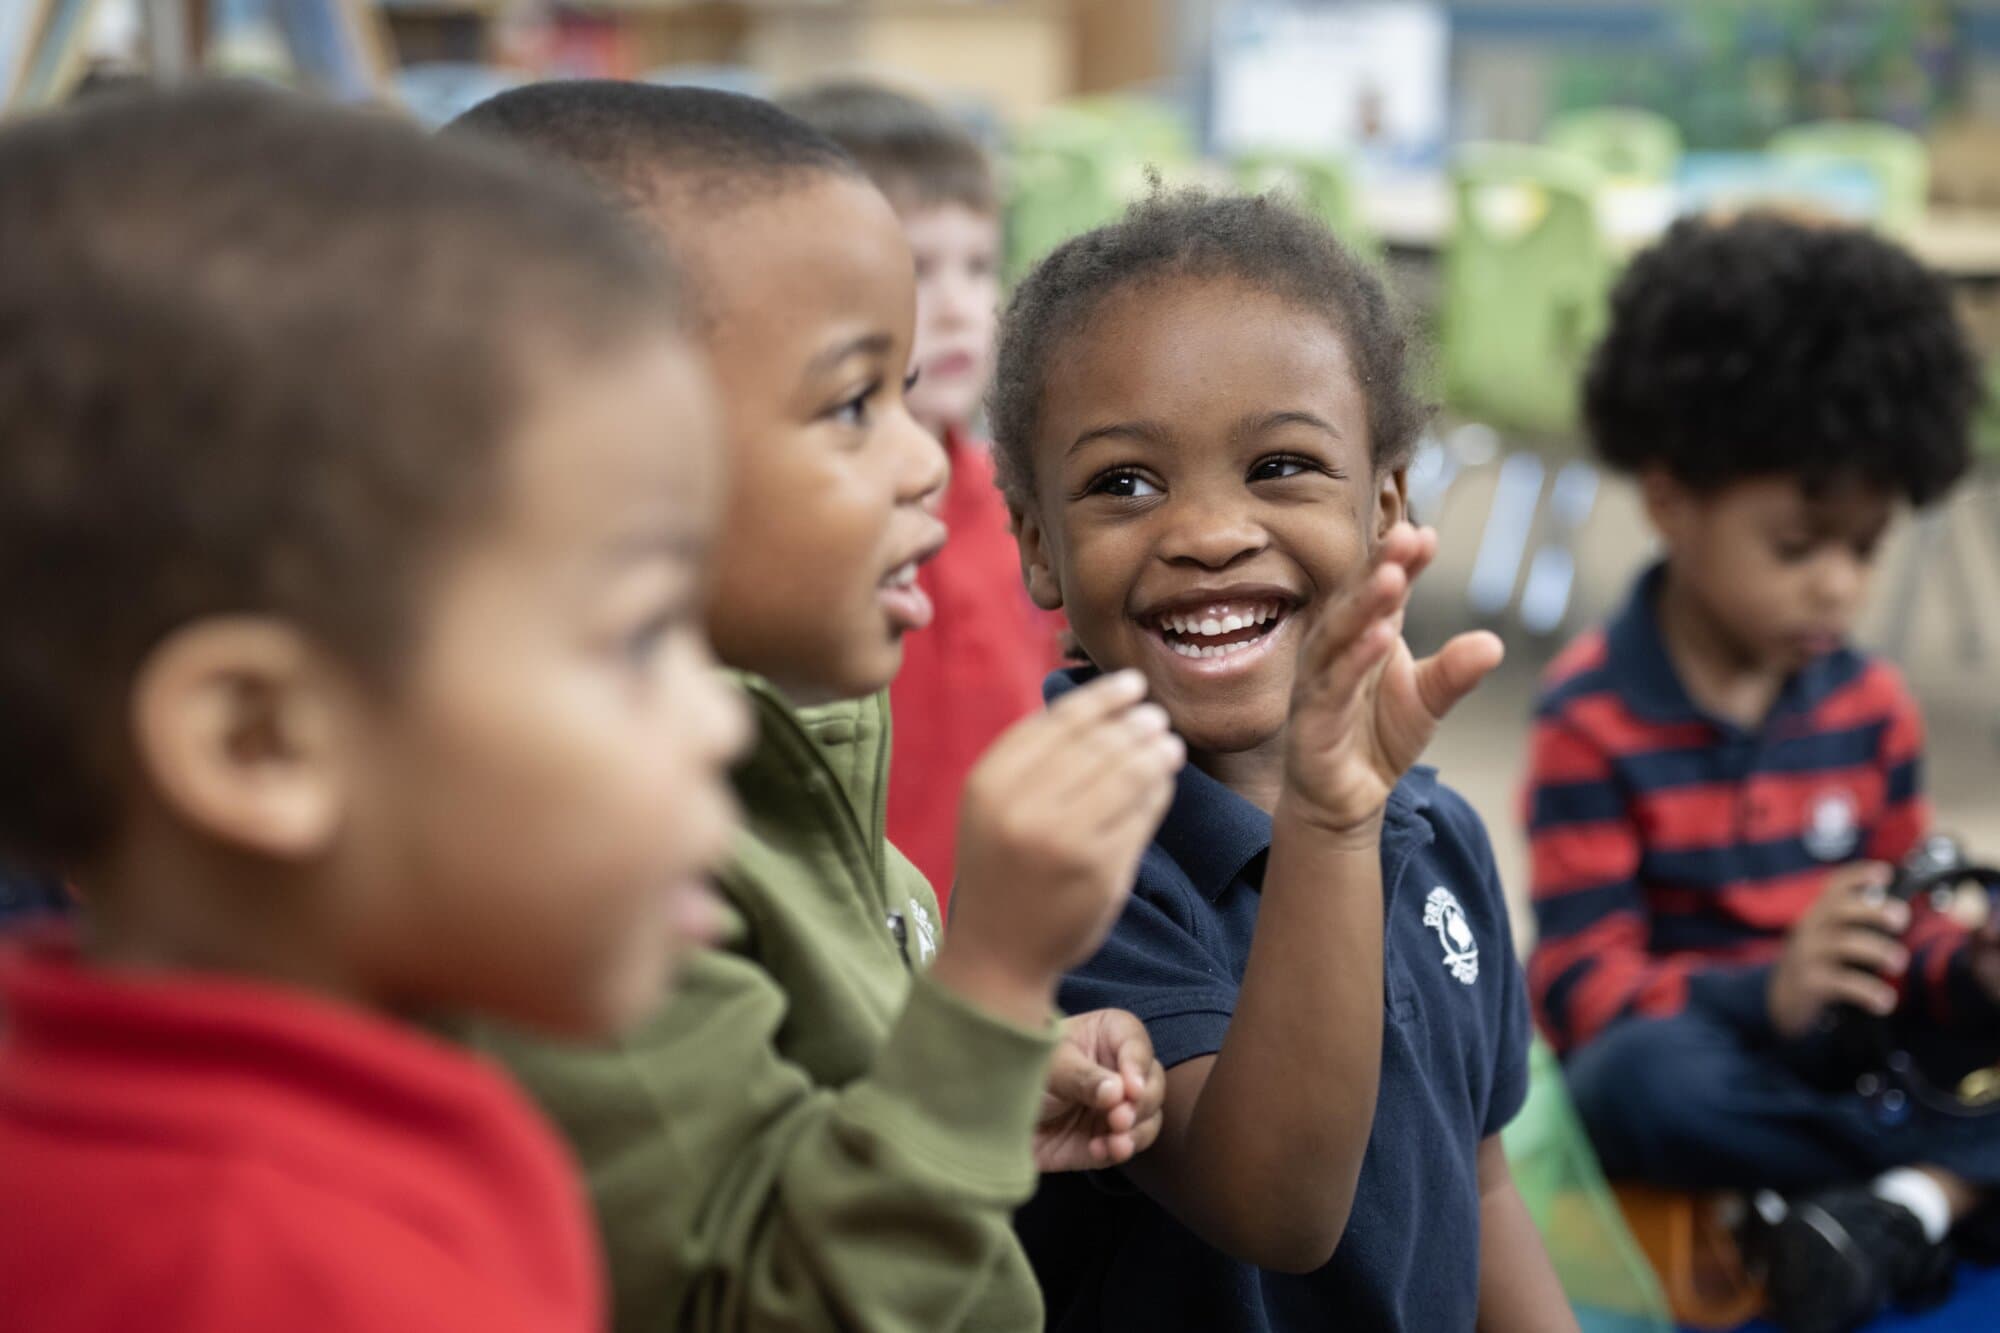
[257, 356]
[914, 152]
[636, 140]
[1258, 240]
[1764, 345]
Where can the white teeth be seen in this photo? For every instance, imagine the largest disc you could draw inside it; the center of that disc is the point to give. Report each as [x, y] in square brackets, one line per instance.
[1209, 650]
[902, 576]
[1259, 614]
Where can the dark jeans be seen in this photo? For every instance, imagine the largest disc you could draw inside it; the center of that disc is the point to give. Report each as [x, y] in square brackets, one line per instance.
[1693, 1102]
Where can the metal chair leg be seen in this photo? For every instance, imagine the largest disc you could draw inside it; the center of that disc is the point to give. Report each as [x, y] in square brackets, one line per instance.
[1497, 566]
[1545, 597]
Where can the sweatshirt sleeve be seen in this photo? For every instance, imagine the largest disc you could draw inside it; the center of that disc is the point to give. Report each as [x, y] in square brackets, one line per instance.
[735, 1194]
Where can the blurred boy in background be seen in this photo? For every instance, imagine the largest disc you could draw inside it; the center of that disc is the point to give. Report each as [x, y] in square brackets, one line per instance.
[1718, 777]
[979, 666]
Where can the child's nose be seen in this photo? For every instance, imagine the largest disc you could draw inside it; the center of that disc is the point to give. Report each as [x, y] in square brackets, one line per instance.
[1212, 535]
[926, 468]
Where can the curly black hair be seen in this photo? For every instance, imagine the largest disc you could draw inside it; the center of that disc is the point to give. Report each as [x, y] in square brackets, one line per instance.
[1261, 240]
[1765, 345]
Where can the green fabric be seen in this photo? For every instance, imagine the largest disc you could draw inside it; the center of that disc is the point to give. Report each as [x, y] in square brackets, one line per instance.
[805, 1137]
[1526, 287]
[1607, 1278]
[1322, 185]
[1625, 143]
[1896, 158]
[1076, 166]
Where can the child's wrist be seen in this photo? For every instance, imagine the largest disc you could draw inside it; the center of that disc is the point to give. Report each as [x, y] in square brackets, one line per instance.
[1023, 996]
[1337, 830]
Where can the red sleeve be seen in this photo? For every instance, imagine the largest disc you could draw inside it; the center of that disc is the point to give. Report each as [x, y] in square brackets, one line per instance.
[1906, 810]
[1591, 963]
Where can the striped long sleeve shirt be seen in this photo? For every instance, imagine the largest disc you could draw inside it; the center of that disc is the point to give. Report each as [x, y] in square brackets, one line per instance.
[1672, 851]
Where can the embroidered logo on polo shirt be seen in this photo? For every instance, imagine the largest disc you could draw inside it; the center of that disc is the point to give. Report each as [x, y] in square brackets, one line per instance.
[1833, 826]
[926, 932]
[1461, 952]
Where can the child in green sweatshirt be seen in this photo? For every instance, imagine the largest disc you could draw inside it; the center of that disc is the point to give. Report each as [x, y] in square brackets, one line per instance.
[833, 1123]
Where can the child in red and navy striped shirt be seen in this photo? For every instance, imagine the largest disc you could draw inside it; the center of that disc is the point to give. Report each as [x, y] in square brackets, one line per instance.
[1718, 778]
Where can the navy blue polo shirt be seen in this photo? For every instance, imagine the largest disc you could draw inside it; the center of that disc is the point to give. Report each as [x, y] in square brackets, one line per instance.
[1454, 1070]
[24, 897]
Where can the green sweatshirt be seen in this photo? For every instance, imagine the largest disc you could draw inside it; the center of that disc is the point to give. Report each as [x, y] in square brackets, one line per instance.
[809, 1135]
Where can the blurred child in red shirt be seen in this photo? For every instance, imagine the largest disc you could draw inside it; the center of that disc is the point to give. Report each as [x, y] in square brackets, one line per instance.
[366, 681]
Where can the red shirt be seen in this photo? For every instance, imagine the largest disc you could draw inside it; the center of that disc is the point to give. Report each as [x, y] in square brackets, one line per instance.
[973, 672]
[182, 1153]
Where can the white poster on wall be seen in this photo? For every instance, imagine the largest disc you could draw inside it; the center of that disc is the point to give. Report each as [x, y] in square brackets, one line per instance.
[1361, 79]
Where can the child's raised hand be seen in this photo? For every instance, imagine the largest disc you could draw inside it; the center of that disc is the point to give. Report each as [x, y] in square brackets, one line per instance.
[1363, 708]
[1051, 828]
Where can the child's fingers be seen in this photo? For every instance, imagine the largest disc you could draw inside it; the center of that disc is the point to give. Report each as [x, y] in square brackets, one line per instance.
[1114, 752]
[1028, 744]
[1863, 904]
[1455, 670]
[1126, 830]
[1077, 1080]
[1407, 545]
[1864, 990]
[1137, 791]
[1427, 549]
[1136, 1066]
[1374, 602]
[1862, 946]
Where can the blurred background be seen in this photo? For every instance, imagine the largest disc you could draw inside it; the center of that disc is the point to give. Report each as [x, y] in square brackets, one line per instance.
[1499, 159]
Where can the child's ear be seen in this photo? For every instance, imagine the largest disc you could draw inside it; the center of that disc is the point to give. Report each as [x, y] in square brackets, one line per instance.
[1669, 505]
[1037, 562]
[1392, 498]
[234, 720]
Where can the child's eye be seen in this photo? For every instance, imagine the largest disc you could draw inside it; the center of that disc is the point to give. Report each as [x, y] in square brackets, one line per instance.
[1791, 553]
[910, 380]
[1122, 484]
[853, 412]
[645, 639]
[1280, 466]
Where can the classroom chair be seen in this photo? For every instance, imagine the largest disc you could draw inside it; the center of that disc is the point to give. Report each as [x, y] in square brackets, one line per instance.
[1527, 276]
[1896, 158]
[1602, 1269]
[1075, 166]
[1323, 185]
[1625, 143]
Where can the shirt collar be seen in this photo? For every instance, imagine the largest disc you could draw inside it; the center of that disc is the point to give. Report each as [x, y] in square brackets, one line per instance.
[1214, 835]
[1636, 653]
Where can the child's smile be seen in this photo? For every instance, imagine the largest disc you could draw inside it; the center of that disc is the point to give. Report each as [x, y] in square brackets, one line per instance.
[1216, 631]
[1205, 486]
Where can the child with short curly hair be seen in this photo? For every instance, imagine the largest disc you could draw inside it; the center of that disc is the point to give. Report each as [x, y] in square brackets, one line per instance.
[1717, 775]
